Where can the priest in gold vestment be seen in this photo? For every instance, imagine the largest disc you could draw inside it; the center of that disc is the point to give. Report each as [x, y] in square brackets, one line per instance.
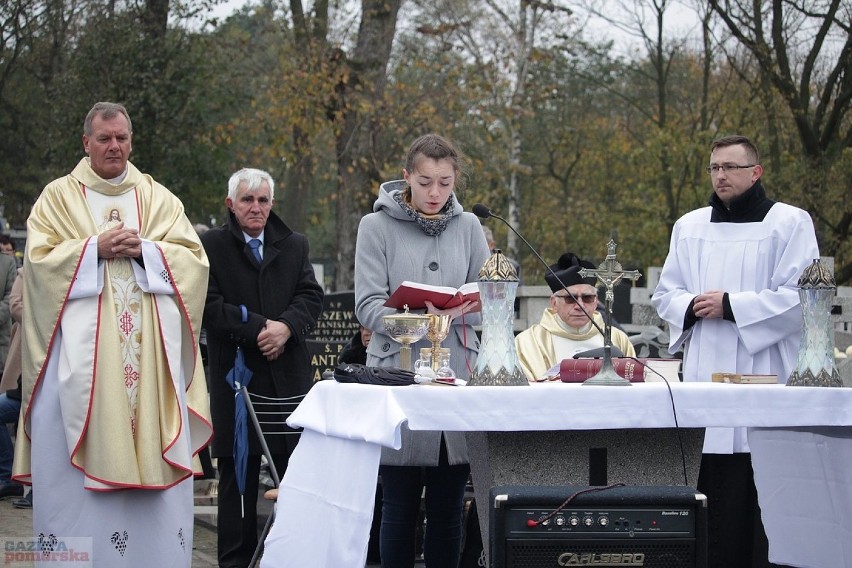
[564, 329]
[115, 403]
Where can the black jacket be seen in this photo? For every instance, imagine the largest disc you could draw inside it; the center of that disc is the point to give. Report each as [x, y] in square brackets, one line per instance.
[750, 207]
[354, 352]
[282, 288]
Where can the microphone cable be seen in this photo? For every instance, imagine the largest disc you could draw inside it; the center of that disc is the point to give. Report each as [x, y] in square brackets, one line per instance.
[534, 523]
[674, 414]
[484, 212]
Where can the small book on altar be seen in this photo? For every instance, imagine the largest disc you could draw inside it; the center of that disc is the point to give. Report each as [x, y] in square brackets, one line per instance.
[415, 294]
[634, 370]
[740, 379]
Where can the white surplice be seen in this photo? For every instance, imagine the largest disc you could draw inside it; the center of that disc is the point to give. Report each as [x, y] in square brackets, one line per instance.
[758, 264]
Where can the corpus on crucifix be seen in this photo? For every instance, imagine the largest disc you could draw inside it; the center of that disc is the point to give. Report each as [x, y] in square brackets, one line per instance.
[609, 273]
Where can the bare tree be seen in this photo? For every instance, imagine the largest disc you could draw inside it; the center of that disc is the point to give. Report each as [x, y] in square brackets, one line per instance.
[803, 48]
[649, 90]
[502, 39]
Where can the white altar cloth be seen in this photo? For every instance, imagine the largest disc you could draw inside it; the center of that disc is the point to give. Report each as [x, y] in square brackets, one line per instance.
[805, 492]
[325, 502]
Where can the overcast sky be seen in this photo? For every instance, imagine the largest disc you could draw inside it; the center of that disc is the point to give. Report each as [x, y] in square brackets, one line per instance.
[680, 21]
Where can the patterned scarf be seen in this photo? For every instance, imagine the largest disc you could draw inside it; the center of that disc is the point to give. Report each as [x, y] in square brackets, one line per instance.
[432, 225]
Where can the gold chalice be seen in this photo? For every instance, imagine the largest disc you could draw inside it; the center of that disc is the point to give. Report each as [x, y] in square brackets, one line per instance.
[439, 328]
[406, 328]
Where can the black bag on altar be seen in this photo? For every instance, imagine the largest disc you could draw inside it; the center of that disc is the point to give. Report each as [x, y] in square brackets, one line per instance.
[387, 376]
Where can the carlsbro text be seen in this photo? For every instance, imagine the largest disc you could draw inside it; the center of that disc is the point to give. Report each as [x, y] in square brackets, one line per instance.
[605, 559]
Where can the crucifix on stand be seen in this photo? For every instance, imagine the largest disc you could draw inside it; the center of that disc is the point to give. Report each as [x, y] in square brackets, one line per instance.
[609, 272]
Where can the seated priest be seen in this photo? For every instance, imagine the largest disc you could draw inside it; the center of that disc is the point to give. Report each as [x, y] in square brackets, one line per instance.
[565, 329]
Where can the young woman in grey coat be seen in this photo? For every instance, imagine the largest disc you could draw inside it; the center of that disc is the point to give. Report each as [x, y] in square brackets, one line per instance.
[418, 231]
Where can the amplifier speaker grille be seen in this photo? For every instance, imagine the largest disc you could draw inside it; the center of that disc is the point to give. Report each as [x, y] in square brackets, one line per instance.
[546, 553]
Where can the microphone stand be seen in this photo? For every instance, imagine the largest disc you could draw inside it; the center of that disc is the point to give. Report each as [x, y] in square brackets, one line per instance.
[607, 374]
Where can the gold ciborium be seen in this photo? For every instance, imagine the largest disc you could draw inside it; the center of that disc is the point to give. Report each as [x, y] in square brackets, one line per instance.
[439, 328]
[406, 328]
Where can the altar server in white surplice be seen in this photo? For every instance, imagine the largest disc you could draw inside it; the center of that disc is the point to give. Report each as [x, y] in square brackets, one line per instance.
[728, 291]
[115, 403]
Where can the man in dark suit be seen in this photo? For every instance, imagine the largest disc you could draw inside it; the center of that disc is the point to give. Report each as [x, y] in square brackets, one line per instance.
[257, 262]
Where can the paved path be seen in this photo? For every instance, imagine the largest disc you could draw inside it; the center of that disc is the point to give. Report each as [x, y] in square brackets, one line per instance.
[18, 523]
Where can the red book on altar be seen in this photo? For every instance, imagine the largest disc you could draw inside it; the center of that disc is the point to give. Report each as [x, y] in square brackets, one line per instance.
[578, 370]
[415, 294]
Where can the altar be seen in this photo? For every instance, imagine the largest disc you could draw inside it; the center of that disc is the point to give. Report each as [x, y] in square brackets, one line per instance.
[799, 437]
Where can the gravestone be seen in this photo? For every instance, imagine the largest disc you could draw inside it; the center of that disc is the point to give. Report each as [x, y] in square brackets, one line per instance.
[324, 356]
[335, 328]
[338, 322]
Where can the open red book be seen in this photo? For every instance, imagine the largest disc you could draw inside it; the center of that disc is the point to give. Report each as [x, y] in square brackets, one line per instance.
[415, 294]
[578, 370]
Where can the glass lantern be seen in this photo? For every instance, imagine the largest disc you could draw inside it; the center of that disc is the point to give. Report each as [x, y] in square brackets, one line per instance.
[497, 363]
[815, 365]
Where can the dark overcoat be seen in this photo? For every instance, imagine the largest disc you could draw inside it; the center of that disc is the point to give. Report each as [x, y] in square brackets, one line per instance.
[283, 288]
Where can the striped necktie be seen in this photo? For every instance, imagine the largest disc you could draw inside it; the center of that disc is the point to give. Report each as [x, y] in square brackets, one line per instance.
[254, 244]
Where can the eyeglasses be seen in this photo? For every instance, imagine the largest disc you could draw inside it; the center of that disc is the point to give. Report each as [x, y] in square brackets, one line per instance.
[585, 298]
[715, 169]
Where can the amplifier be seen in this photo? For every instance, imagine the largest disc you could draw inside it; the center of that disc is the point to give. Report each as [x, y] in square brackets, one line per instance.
[648, 526]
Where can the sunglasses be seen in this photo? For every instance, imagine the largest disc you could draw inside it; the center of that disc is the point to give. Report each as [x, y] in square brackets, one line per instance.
[585, 298]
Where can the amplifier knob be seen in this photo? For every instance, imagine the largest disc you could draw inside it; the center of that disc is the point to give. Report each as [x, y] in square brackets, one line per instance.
[573, 520]
[560, 521]
[545, 522]
[603, 521]
[588, 521]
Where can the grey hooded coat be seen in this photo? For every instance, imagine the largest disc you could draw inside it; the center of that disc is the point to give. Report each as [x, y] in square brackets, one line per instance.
[391, 248]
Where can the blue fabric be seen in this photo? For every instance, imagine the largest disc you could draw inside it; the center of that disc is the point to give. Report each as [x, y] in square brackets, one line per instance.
[401, 490]
[254, 245]
[238, 377]
[9, 411]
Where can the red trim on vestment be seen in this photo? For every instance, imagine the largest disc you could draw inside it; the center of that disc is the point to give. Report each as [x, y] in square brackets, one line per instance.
[138, 208]
[171, 383]
[92, 389]
[184, 312]
[43, 367]
[123, 486]
[210, 424]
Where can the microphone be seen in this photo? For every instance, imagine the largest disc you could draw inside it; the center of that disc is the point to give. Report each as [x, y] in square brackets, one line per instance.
[597, 353]
[484, 212]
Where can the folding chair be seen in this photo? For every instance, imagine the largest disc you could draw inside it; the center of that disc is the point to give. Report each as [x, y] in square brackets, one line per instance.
[268, 415]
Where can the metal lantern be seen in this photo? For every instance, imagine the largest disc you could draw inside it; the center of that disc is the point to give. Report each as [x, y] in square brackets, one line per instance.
[815, 365]
[497, 363]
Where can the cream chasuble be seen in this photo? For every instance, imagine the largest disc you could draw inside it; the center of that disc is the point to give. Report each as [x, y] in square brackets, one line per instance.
[114, 392]
[546, 343]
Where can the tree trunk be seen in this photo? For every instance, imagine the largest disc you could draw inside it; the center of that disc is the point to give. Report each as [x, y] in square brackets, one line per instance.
[296, 190]
[356, 131]
[156, 19]
[311, 44]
